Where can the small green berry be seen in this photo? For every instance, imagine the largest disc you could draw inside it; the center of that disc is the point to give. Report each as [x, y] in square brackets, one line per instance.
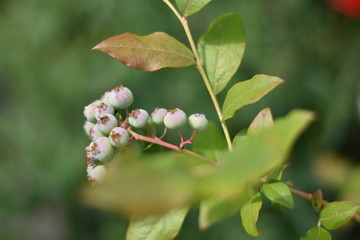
[175, 119]
[138, 118]
[87, 127]
[198, 122]
[106, 122]
[105, 97]
[89, 111]
[95, 133]
[96, 173]
[158, 115]
[103, 108]
[100, 150]
[121, 97]
[119, 137]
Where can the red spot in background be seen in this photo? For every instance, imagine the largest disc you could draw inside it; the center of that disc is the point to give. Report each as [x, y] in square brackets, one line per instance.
[349, 8]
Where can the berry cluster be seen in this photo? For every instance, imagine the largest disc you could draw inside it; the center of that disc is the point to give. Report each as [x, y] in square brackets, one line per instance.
[109, 130]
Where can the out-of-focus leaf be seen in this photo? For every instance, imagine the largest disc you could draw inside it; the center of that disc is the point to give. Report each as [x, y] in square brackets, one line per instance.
[337, 214]
[247, 92]
[279, 172]
[145, 187]
[219, 206]
[253, 158]
[278, 192]
[210, 143]
[190, 7]
[250, 215]
[221, 50]
[263, 119]
[317, 233]
[164, 227]
[147, 53]
[239, 137]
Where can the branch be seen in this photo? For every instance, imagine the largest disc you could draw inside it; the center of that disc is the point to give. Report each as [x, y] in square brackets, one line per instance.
[309, 197]
[168, 145]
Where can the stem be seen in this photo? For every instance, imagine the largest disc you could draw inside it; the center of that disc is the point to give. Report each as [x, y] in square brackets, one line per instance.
[309, 197]
[168, 145]
[185, 25]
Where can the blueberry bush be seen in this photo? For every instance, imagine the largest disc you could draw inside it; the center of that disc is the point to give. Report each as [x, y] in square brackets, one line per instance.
[136, 172]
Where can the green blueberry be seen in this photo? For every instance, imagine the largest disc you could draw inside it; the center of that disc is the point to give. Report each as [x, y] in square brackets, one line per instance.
[96, 173]
[89, 111]
[121, 97]
[87, 127]
[175, 119]
[106, 122]
[100, 150]
[198, 122]
[158, 115]
[119, 137]
[102, 109]
[95, 133]
[139, 118]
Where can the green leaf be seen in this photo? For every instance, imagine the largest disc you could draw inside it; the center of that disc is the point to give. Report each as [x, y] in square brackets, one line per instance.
[337, 214]
[147, 53]
[147, 186]
[190, 7]
[221, 50]
[250, 215]
[317, 233]
[219, 206]
[278, 173]
[239, 137]
[278, 192]
[164, 227]
[253, 158]
[263, 119]
[210, 143]
[247, 92]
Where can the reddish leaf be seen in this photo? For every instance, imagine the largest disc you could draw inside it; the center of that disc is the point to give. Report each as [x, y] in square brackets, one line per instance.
[147, 53]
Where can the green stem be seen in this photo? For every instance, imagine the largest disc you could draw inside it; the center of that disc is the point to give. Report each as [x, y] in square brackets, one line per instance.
[185, 25]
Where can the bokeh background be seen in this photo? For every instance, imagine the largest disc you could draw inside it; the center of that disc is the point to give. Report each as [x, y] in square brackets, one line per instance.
[48, 74]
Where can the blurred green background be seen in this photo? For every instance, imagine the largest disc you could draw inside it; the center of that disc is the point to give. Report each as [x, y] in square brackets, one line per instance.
[48, 74]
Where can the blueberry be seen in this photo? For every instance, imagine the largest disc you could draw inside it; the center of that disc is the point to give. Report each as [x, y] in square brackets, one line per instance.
[106, 122]
[139, 118]
[105, 97]
[158, 116]
[175, 119]
[121, 97]
[87, 127]
[198, 122]
[100, 150]
[119, 137]
[103, 108]
[95, 133]
[89, 111]
[96, 173]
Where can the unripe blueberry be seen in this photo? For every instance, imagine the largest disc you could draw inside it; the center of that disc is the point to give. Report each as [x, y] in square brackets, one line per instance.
[95, 133]
[100, 150]
[105, 97]
[158, 115]
[103, 108]
[121, 97]
[175, 119]
[89, 111]
[139, 118]
[96, 173]
[198, 122]
[119, 137]
[87, 127]
[106, 122]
